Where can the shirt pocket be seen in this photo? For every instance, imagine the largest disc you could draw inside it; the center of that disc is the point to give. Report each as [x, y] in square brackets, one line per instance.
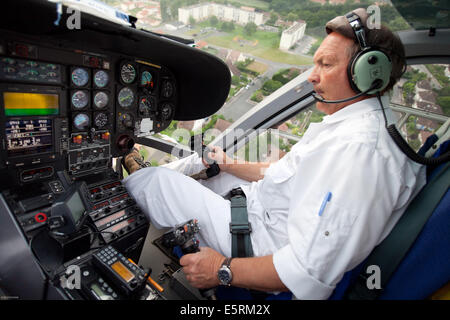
[323, 236]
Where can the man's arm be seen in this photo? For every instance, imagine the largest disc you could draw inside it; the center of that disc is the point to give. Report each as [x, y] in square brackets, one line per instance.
[250, 171]
[256, 273]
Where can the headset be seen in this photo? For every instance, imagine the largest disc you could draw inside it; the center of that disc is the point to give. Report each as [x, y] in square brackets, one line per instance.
[370, 67]
[369, 72]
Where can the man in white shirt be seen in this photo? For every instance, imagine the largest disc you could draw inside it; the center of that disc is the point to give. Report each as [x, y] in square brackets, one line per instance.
[317, 212]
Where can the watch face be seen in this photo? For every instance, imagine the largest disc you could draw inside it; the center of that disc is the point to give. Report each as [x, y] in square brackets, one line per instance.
[224, 276]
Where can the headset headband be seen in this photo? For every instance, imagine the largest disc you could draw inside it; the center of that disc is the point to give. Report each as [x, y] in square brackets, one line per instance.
[355, 22]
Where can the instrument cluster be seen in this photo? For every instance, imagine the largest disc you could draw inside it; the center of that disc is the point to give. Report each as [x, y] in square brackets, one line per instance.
[146, 91]
[139, 90]
[90, 99]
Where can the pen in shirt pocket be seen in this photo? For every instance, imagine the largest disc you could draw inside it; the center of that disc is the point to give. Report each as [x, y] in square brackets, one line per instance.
[324, 202]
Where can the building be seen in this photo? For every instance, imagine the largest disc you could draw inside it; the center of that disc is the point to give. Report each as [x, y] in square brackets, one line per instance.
[188, 125]
[222, 125]
[203, 11]
[291, 35]
[235, 56]
[201, 44]
[147, 12]
[233, 69]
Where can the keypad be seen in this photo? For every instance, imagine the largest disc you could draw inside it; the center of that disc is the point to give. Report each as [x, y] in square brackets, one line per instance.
[109, 255]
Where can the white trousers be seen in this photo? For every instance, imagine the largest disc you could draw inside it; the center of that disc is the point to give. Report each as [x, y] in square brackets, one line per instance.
[169, 197]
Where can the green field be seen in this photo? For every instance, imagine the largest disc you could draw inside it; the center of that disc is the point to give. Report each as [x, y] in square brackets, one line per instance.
[258, 4]
[262, 44]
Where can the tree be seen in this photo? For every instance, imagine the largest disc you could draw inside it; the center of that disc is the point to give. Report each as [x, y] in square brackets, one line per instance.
[164, 7]
[273, 18]
[223, 26]
[213, 21]
[235, 80]
[398, 24]
[444, 102]
[445, 91]
[280, 76]
[291, 17]
[257, 96]
[271, 85]
[192, 20]
[409, 91]
[250, 28]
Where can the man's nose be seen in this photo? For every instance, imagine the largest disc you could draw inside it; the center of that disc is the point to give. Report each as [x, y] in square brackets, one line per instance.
[314, 76]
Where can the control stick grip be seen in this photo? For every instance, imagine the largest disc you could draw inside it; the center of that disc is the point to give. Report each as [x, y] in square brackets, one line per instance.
[214, 168]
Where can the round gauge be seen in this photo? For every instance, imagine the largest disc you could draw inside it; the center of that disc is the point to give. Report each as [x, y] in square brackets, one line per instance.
[166, 111]
[126, 97]
[9, 70]
[100, 100]
[81, 121]
[101, 79]
[147, 80]
[80, 99]
[128, 73]
[101, 120]
[9, 61]
[167, 89]
[80, 77]
[146, 106]
[127, 120]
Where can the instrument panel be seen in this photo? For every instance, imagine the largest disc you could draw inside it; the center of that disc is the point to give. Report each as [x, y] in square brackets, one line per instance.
[77, 109]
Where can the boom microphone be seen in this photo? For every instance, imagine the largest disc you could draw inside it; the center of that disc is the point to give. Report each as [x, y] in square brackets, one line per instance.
[376, 84]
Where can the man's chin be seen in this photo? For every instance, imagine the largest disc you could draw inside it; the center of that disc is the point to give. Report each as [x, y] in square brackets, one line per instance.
[323, 107]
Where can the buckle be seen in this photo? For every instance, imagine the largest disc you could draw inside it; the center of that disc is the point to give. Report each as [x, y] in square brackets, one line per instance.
[237, 192]
[240, 228]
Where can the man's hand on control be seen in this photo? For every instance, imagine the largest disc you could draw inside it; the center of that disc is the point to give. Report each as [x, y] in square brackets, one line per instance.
[219, 156]
[201, 267]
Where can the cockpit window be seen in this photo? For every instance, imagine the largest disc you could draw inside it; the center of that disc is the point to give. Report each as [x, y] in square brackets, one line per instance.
[421, 100]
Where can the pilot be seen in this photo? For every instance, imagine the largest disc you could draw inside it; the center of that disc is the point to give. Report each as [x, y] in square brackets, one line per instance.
[319, 210]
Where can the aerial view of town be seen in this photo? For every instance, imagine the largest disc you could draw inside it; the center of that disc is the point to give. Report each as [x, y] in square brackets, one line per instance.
[267, 43]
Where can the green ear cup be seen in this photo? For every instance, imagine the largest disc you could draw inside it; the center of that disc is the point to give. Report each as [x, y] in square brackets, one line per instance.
[369, 66]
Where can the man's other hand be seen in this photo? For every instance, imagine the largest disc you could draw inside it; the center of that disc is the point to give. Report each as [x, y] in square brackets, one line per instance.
[201, 267]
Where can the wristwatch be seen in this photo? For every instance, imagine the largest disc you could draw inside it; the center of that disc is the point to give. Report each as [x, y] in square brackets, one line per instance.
[224, 274]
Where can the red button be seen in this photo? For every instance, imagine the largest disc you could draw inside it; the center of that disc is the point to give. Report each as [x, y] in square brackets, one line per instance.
[40, 217]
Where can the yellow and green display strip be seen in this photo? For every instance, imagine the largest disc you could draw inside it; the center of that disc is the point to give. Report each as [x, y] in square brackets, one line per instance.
[30, 104]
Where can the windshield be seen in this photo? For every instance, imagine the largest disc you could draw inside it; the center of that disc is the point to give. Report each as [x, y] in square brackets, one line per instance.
[424, 14]
[266, 44]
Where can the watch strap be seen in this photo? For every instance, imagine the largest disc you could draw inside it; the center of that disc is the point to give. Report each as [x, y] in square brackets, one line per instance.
[227, 262]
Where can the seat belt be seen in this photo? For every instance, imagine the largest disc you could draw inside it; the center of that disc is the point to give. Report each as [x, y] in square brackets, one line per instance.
[240, 228]
[388, 255]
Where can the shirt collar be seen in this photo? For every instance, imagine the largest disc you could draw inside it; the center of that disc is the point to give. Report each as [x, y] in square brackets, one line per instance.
[357, 108]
